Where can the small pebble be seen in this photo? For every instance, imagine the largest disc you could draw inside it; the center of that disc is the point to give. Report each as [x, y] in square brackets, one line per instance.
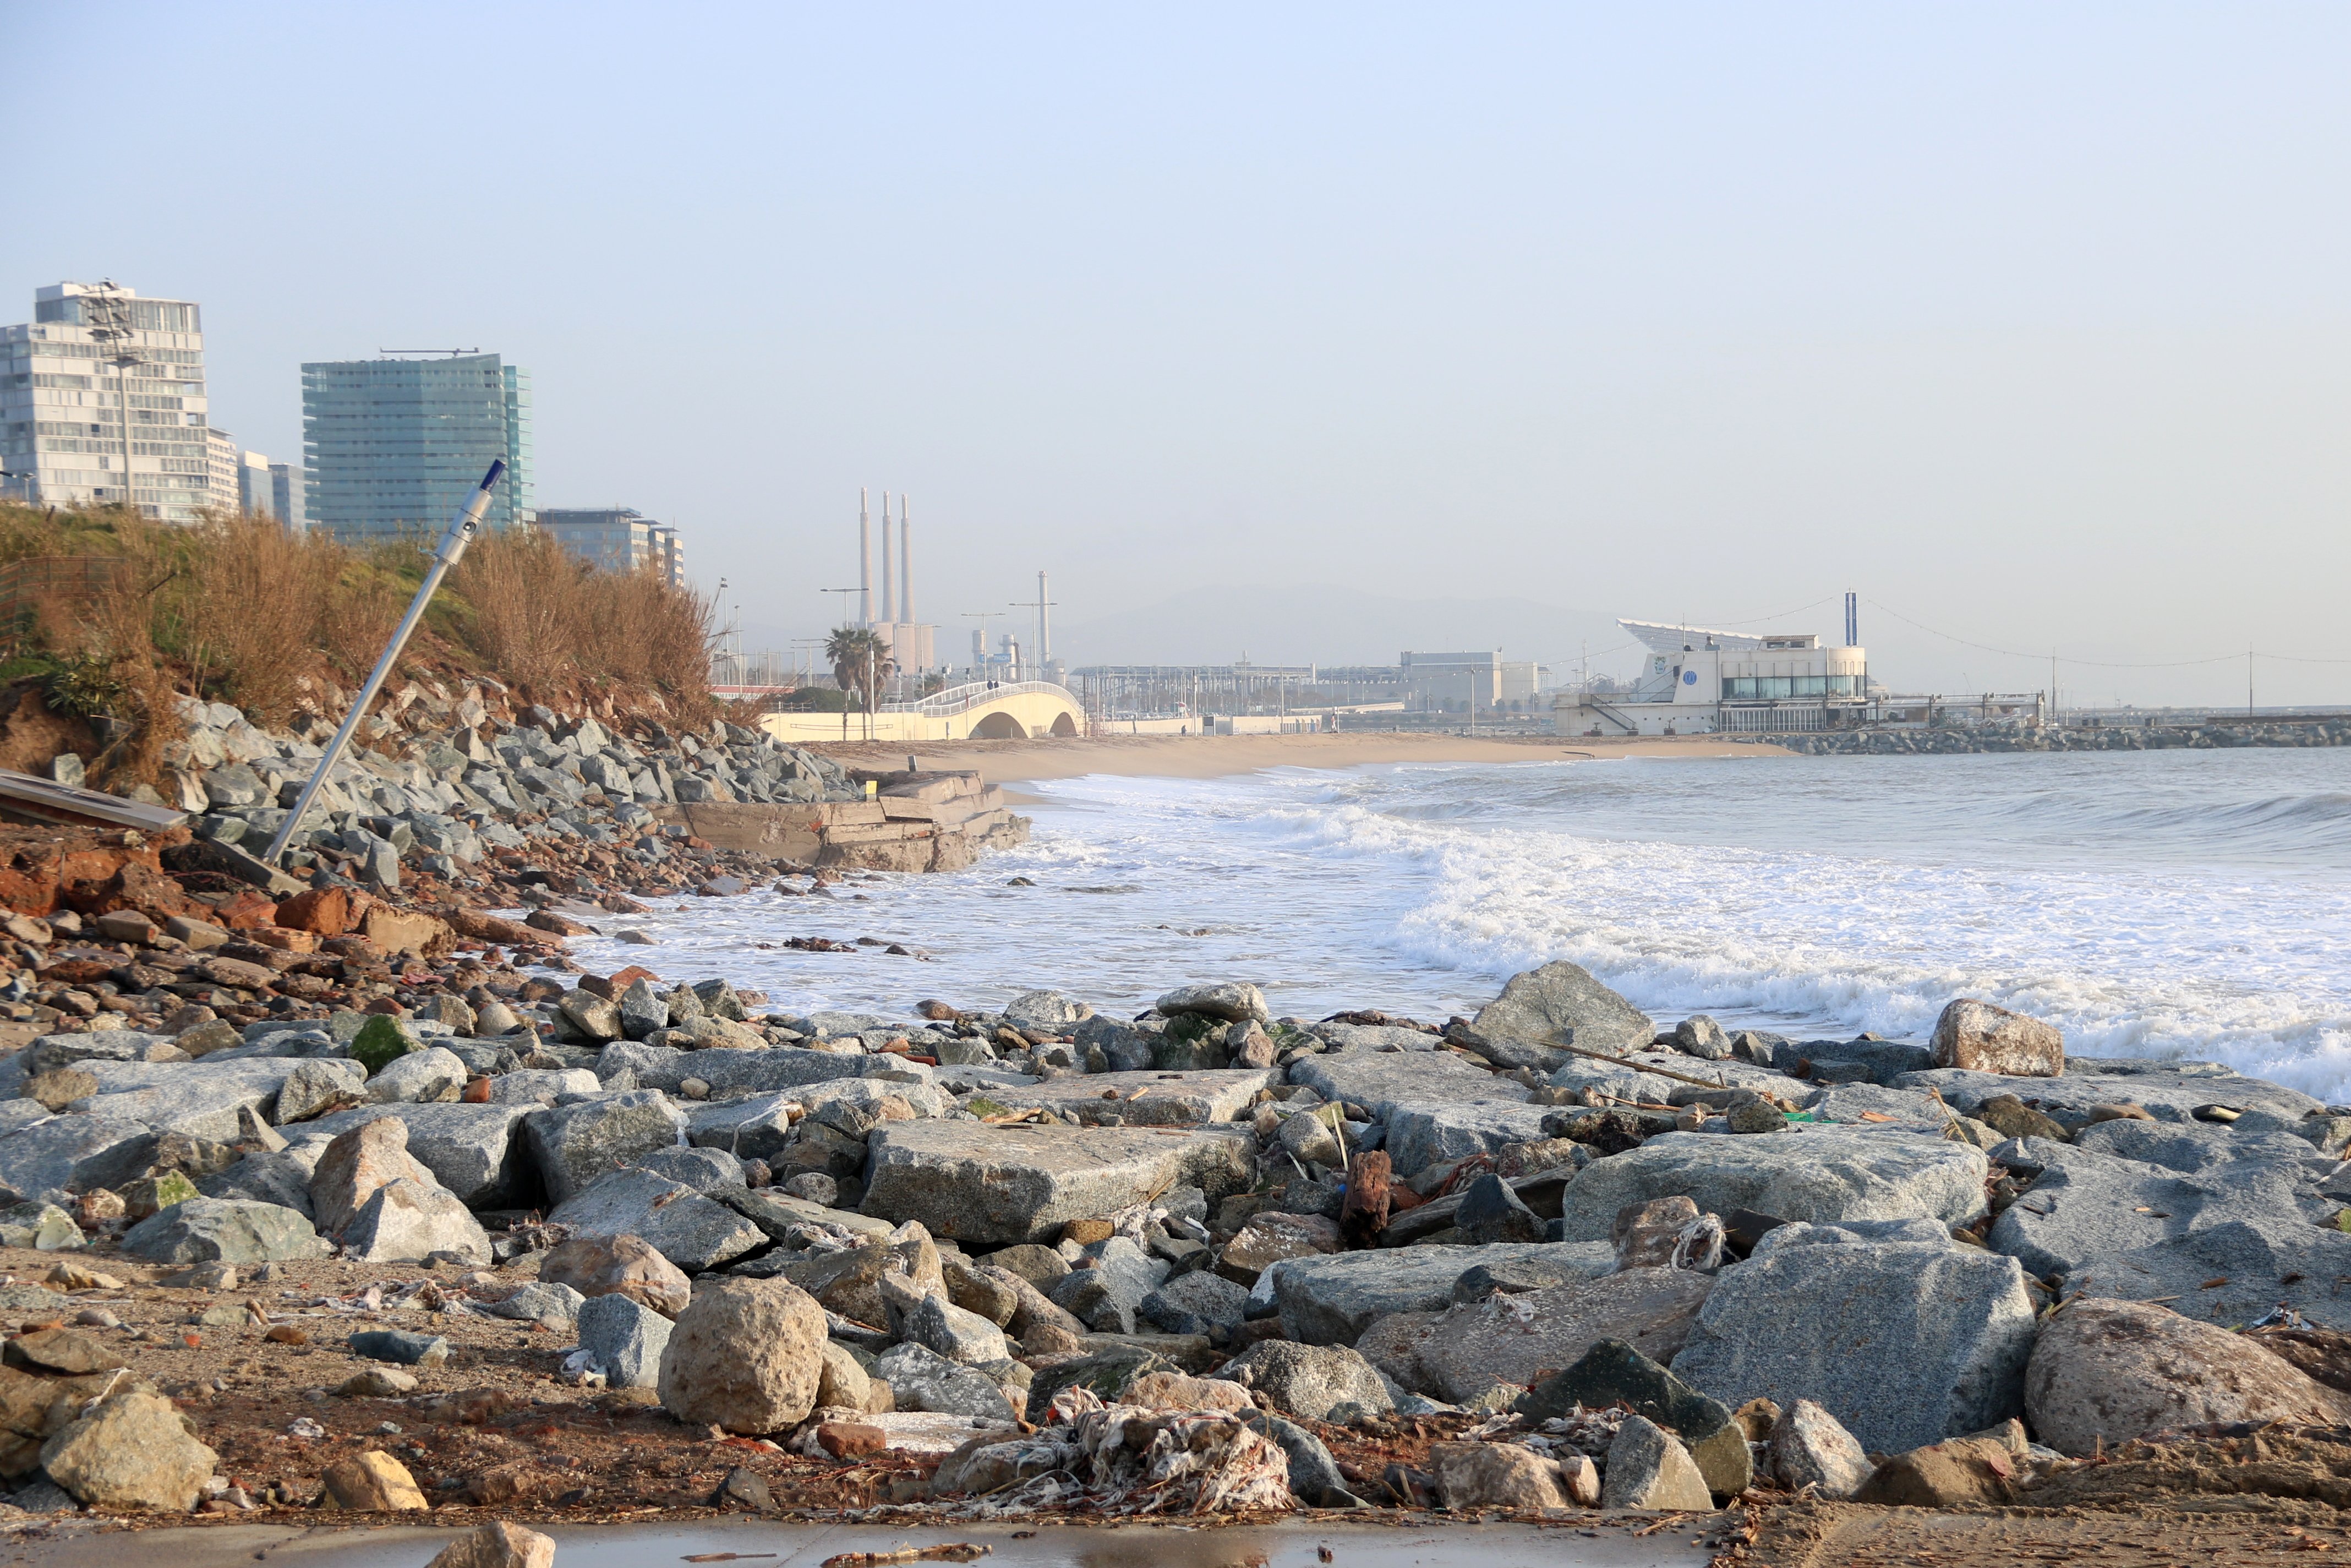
[98, 1318]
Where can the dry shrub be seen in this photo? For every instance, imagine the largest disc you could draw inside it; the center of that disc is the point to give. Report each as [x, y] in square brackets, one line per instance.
[107, 664]
[254, 611]
[539, 616]
[364, 600]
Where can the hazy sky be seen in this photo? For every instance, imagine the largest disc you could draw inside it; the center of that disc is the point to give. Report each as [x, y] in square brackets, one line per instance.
[2028, 322]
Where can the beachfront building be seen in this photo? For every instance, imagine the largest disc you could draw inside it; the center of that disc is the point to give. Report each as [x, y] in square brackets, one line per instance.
[102, 402]
[396, 446]
[618, 539]
[1698, 681]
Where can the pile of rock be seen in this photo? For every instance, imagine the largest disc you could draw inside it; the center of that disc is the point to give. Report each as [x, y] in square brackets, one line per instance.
[452, 779]
[2190, 736]
[1179, 1245]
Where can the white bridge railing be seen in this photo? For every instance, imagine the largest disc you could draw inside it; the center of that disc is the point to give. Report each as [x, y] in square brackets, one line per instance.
[976, 694]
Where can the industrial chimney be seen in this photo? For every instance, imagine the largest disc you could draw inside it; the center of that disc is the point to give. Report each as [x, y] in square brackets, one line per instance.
[889, 613]
[864, 562]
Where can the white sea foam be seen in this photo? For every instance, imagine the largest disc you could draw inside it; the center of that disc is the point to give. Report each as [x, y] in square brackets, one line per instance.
[2160, 905]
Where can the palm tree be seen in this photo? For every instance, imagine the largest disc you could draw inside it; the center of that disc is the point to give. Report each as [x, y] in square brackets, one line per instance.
[861, 662]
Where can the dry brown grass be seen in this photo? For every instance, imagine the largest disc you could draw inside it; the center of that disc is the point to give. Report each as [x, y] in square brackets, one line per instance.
[237, 609]
[543, 619]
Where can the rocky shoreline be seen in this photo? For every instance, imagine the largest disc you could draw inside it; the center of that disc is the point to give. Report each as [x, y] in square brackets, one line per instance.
[2214, 735]
[578, 1245]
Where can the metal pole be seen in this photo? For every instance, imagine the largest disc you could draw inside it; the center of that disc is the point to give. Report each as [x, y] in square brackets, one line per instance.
[445, 555]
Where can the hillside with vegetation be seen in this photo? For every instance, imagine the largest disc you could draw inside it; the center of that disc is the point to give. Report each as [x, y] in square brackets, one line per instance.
[110, 617]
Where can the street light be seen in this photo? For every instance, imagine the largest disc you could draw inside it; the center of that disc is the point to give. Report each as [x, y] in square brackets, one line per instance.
[106, 316]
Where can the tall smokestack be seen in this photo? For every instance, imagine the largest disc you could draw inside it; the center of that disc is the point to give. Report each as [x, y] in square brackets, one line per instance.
[906, 563]
[889, 613]
[864, 562]
[1044, 626]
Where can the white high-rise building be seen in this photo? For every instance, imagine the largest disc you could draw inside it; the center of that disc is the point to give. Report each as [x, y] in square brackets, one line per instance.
[103, 400]
[223, 458]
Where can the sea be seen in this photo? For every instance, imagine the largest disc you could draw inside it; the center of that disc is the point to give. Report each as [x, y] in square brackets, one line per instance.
[2160, 904]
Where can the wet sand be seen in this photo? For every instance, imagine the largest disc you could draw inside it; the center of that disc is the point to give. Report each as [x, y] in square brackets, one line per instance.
[1219, 756]
[1586, 1542]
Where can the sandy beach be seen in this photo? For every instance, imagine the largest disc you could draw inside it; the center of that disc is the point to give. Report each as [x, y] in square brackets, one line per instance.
[1217, 756]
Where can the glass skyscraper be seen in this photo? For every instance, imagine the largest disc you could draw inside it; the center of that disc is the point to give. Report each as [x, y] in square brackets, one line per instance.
[397, 445]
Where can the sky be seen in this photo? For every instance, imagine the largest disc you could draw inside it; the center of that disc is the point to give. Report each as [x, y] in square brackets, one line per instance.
[2026, 322]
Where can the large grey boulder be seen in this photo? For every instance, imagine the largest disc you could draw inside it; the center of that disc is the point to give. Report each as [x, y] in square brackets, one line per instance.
[204, 1099]
[695, 1232]
[745, 1355]
[1235, 1001]
[2190, 1147]
[1144, 1098]
[1331, 1299]
[1904, 1336]
[51, 1160]
[548, 1301]
[2106, 1372]
[1511, 1338]
[225, 1230]
[624, 1338]
[421, 1077]
[405, 1220]
[317, 1083]
[541, 1086]
[133, 1451]
[1308, 1381]
[265, 1175]
[971, 1182]
[1982, 1038]
[1200, 1302]
[922, 1379]
[2169, 1092]
[1879, 1062]
[1616, 1081]
[2140, 1231]
[575, 1145]
[964, 1337]
[1046, 1012]
[1560, 1004]
[1382, 1081]
[753, 1128]
[704, 1170]
[1817, 1174]
[1106, 1295]
[1811, 1448]
[1419, 1136]
[473, 1150]
[1124, 1047]
[50, 1051]
[761, 1072]
[1649, 1469]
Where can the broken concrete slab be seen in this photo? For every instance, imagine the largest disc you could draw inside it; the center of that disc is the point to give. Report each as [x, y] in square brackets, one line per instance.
[1812, 1173]
[695, 1232]
[1144, 1098]
[968, 1181]
[1331, 1299]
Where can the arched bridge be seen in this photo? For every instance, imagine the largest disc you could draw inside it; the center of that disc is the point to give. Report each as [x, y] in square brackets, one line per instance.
[982, 710]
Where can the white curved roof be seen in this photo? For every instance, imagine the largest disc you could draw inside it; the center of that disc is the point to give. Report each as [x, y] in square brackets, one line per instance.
[1666, 637]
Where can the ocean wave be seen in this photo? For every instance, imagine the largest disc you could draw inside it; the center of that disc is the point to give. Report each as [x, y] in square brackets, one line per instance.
[2200, 906]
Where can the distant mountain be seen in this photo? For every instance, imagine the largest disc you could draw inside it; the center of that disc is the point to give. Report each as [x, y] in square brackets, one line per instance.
[1321, 623]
